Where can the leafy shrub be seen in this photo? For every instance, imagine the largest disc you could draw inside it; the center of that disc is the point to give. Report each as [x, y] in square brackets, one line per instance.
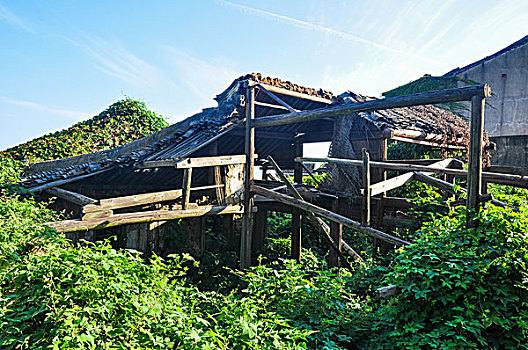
[317, 301]
[93, 296]
[124, 121]
[461, 288]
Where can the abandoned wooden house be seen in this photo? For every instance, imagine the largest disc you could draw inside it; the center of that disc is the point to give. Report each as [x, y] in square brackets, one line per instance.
[204, 166]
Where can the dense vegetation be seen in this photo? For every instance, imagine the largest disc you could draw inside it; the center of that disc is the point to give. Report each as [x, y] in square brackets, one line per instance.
[124, 121]
[460, 288]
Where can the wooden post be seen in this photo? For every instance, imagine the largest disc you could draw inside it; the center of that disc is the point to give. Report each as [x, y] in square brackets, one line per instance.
[296, 239]
[336, 232]
[297, 168]
[296, 235]
[261, 228]
[265, 172]
[228, 227]
[247, 229]
[366, 188]
[186, 194]
[475, 159]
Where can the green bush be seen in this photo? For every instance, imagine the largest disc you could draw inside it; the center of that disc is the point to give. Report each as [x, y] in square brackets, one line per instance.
[124, 121]
[461, 288]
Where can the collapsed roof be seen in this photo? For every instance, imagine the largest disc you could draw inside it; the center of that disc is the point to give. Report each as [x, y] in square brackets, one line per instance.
[145, 160]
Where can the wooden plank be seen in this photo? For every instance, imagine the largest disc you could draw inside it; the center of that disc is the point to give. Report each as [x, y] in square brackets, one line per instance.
[512, 180]
[442, 96]
[449, 187]
[249, 148]
[210, 161]
[186, 193]
[147, 216]
[97, 215]
[474, 178]
[220, 193]
[367, 189]
[70, 196]
[286, 92]
[308, 207]
[390, 184]
[269, 105]
[139, 199]
[275, 98]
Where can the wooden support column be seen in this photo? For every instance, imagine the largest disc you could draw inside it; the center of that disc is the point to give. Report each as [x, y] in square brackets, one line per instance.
[265, 172]
[228, 226]
[296, 235]
[186, 194]
[247, 222]
[366, 188]
[475, 159]
[336, 232]
[296, 239]
[261, 228]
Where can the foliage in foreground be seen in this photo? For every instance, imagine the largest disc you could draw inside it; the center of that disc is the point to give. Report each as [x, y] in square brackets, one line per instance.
[461, 288]
[124, 121]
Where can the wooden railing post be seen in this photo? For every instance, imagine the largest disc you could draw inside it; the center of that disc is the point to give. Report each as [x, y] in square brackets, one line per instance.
[366, 188]
[186, 194]
[475, 159]
[296, 238]
[247, 222]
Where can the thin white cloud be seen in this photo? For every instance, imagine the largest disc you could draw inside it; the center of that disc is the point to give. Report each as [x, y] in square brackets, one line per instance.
[203, 78]
[75, 115]
[113, 59]
[327, 30]
[11, 18]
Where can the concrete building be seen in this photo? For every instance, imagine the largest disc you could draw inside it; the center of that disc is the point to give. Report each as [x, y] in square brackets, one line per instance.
[507, 111]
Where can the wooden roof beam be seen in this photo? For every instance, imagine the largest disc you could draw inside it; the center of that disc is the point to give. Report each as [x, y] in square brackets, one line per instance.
[442, 96]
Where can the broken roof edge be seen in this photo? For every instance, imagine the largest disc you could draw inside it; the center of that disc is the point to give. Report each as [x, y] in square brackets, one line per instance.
[114, 153]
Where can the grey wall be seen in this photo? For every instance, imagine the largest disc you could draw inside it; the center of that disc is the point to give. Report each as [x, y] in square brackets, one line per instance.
[507, 75]
[511, 151]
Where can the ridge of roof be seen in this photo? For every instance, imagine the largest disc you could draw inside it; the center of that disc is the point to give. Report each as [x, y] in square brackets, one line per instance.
[276, 82]
[508, 48]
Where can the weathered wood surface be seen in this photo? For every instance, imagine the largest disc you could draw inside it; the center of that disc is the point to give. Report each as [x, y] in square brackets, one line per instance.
[70, 196]
[147, 216]
[400, 180]
[249, 150]
[139, 199]
[390, 184]
[308, 207]
[474, 179]
[276, 98]
[286, 92]
[186, 187]
[210, 161]
[367, 188]
[325, 229]
[513, 180]
[442, 96]
[449, 187]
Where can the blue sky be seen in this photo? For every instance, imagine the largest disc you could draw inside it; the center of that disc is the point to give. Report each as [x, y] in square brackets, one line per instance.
[65, 61]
